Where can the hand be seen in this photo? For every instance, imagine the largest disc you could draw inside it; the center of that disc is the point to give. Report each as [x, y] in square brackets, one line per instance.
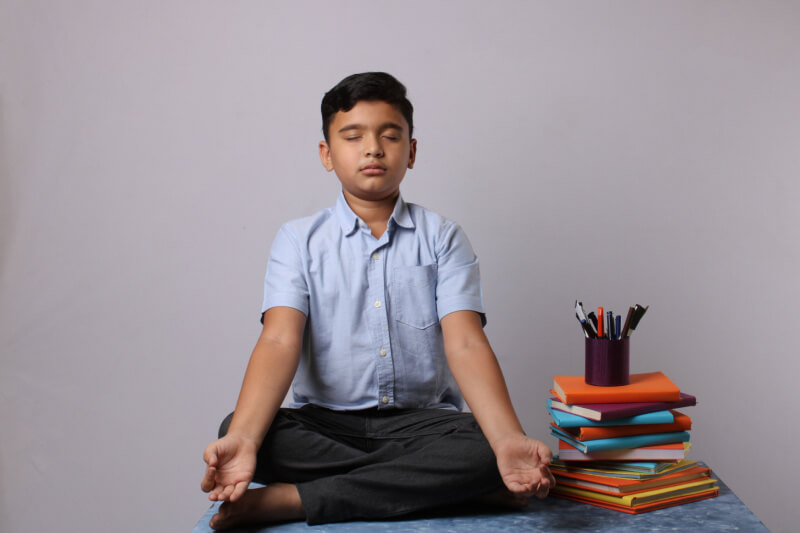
[523, 465]
[231, 463]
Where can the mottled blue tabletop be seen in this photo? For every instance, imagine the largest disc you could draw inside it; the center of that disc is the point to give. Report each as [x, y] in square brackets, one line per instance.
[723, 513]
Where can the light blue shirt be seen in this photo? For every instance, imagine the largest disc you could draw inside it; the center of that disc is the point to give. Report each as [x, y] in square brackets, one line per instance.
[373, 306]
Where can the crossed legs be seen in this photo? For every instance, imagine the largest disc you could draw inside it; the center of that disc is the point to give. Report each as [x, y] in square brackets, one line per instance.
[331, 466]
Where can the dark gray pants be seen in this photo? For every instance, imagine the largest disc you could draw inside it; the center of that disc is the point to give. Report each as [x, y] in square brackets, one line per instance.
[374, 464]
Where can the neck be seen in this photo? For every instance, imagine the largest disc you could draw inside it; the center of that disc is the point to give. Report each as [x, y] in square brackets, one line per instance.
[375, 213]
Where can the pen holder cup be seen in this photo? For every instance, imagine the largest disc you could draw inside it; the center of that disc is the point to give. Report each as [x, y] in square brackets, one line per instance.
[607, 362]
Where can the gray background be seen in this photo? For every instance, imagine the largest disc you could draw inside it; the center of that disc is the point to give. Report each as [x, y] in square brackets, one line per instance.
[616, 152]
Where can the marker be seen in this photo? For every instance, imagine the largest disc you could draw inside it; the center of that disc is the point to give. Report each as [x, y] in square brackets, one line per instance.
[610, 325]
[618, 329]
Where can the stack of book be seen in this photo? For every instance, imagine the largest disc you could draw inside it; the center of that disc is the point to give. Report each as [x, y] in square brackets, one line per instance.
[625, 447]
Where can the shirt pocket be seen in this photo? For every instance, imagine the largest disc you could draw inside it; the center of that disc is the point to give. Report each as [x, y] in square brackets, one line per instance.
[414, 295]
[416, 320]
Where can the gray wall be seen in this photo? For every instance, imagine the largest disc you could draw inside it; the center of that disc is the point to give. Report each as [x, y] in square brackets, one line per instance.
[616, 152]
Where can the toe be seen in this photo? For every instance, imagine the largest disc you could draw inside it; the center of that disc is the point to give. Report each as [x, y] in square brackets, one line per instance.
[218, 520]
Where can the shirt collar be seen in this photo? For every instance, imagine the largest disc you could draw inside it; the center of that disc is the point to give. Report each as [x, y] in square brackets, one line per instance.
[348, 220]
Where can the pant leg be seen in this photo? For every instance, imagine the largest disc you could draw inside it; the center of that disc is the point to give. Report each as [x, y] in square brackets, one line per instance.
[419, 459]
[376, 464]
[308, 443]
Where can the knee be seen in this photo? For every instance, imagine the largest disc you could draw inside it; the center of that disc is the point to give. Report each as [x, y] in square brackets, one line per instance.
[223, 428]
[483, 455]
[480, 456]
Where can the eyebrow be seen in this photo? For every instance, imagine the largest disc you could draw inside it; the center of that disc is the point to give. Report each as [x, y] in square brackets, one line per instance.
[382, 127]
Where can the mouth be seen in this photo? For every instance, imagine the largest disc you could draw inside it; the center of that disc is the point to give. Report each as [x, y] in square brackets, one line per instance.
[373, 170]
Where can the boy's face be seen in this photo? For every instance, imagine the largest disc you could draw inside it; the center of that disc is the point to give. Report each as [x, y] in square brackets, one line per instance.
[370, 150]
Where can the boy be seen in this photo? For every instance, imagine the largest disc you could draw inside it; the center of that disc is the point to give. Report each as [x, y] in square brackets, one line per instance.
[373, 313]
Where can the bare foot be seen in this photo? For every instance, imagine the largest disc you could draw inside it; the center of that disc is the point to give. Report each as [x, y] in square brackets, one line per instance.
[278, 502]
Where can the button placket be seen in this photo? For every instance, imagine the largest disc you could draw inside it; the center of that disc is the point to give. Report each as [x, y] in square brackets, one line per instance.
[377, 287]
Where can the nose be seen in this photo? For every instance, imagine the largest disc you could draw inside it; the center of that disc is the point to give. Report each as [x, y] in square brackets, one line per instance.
[372, 147]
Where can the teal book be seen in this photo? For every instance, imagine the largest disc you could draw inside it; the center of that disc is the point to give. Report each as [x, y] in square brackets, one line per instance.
[622, 443]
[568, 420]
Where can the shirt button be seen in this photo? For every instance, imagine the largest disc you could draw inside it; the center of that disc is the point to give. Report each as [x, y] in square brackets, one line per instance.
[377, 303]
[385, 400]
[376, 256]
[383, 352]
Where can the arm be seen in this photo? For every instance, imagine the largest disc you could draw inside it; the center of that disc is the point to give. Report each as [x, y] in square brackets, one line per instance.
[522, 461]
[231, 460]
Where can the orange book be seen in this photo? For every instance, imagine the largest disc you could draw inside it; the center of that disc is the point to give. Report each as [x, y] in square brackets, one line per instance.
[660, 452]
[616, 486]
[681, 423]
[647, 387]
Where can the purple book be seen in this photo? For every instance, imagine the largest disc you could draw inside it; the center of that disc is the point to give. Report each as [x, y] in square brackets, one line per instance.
[610, 411]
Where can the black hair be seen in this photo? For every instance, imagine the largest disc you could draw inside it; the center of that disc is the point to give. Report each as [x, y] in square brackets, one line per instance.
[369, 86]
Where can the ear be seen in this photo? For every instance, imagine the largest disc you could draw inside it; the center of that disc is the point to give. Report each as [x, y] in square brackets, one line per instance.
[412, 155]
[325, 155]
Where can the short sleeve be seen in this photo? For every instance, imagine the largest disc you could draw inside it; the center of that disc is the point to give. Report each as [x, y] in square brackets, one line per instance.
[285, 282]
[458, 286]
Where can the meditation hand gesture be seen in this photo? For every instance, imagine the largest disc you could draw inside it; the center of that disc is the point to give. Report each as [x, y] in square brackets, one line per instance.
[523, 465]
[231, 463]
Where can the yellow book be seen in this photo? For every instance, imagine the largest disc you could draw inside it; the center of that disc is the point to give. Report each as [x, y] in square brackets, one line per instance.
[632, 500]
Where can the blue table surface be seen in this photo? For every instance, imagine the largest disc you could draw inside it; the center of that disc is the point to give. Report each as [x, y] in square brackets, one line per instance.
[726, 512]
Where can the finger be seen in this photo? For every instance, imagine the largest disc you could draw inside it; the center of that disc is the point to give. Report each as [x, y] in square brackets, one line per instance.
[239, 490]
[208, 481]
[514, 486]
[545, 455]
[210, 455]
[547, 482]
[216, 494]
[548, 475]
[520, 489]
[226, 493]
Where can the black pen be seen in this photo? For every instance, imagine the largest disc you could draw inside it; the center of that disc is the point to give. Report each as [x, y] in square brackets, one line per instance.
[591, 331]
[592, 320]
